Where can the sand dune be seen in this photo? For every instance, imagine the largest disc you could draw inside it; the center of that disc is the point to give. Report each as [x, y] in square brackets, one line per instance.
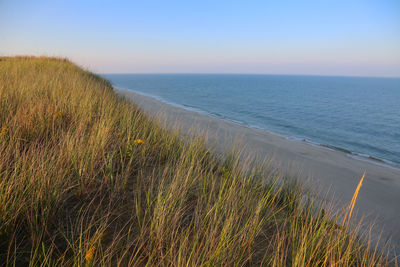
[320, 168]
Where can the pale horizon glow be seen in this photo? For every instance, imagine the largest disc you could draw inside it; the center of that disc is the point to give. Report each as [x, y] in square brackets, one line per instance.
[345, 38]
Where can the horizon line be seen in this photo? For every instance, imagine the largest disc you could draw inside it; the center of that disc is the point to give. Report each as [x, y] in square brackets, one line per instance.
[241, 73]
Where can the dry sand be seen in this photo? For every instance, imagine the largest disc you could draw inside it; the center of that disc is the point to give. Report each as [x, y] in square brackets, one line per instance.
[320, 168]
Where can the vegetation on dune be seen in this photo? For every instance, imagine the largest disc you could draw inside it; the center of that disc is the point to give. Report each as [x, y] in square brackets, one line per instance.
[87, 180]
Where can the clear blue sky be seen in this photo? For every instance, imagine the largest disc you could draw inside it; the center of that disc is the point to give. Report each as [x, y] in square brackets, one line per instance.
[342, 37]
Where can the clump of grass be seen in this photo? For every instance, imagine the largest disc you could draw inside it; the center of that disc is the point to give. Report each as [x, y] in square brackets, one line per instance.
[86, 179]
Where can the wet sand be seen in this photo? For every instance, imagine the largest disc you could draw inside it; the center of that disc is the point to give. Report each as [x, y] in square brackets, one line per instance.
[322, 169]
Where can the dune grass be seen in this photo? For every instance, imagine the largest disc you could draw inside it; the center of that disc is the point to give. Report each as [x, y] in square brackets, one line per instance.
[86, 179]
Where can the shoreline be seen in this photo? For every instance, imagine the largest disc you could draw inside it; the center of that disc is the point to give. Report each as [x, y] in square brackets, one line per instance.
[332, 174]
[351, 154]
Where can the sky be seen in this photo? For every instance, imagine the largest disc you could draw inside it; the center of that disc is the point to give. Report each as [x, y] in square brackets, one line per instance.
[331, 37]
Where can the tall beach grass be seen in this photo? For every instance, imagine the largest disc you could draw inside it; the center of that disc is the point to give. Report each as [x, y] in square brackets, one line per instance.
[86, 179]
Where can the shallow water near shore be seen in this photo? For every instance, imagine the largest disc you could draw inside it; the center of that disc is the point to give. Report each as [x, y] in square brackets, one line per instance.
[356, 115]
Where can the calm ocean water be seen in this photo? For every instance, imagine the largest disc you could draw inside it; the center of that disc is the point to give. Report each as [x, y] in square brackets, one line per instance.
[353, 114]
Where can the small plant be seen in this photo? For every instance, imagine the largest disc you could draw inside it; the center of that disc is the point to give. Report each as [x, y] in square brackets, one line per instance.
[138, 141]
[58, 115]
[89, 255]
[3, 130]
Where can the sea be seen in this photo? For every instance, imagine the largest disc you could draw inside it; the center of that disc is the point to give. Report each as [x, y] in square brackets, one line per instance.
[356, 115]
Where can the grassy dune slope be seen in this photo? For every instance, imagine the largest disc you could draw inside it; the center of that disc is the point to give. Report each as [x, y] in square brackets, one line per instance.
[87, 180]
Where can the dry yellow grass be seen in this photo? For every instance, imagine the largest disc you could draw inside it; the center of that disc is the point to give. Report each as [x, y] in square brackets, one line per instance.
[87, 180]
[347, 217]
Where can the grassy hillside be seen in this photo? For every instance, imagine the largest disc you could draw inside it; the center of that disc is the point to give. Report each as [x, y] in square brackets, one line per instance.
[87, 180]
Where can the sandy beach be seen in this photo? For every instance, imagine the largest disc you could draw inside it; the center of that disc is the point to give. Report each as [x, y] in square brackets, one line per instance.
[322, 169]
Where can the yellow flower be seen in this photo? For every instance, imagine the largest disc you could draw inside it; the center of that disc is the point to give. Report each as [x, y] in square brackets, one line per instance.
[58, 115]
[3, 130]
[138, 141]
[90, 254]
